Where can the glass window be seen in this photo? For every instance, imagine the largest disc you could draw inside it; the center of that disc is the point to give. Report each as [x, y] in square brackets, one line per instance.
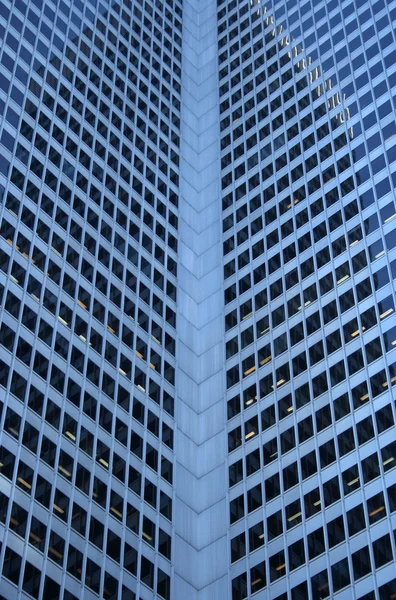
[316, 543]
[356, 520]
[320, 586]
[256, 536]
[277, 565]
[31, 580]
[12, 565]
[340, 575]
[376, 508]
[296, 555]
[335, 531]
[382, 550]
[257, 577]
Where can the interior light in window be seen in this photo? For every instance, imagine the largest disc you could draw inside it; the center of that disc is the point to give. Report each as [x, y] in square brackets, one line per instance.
[390, 218]
[296, 201]
[353, 481]
[64, 471]
[71, 436]
[386, 313]
[117, 513]
[263, 362]
[355, 333]
[34, 537]
[55, 552]
[246, 373]
[249, 435]
[24, 483]
[376, 511]
[62, 320]
[294, 516]
[343, 279]
[380, 254]
[388, 460]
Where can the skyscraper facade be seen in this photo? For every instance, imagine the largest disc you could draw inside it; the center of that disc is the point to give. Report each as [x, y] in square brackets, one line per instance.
[90, 160]
[197, 321]
[307, 141]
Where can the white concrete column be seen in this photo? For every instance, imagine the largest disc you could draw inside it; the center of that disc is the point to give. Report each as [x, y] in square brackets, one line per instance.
[200, 511]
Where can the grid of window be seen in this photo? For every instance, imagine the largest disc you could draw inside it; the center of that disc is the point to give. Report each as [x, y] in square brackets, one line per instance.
[89, 167]
[308, 158]
[90, 128]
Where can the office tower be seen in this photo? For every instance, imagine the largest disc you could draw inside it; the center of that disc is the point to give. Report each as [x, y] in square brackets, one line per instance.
[197, 320]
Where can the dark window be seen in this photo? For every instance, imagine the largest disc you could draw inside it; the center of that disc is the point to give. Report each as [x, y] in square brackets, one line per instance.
[256, 536]
[356, 520]
[320, 586]
[382, 550]
[335, 531]
[316, 544]
[361, 563]
[12, 565]
[340, 575]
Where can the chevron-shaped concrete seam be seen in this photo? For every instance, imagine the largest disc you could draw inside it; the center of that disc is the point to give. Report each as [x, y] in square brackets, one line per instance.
[200, 563]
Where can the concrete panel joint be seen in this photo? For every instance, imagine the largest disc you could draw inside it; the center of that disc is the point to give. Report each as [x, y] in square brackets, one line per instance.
[201, 515]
